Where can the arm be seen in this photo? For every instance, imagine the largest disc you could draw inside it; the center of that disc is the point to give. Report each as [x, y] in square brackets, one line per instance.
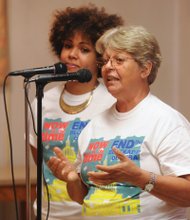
[64, 170]
[174, 190]
[77, 190]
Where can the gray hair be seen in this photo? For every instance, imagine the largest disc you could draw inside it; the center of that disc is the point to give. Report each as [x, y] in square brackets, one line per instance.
[135, 40]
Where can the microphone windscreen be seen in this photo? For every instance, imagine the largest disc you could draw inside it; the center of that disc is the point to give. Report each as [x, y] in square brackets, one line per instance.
[84, 75]
[60, 68]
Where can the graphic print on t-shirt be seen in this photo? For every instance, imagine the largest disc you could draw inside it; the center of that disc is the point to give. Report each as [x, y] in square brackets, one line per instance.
[116, 198]
[65, 136]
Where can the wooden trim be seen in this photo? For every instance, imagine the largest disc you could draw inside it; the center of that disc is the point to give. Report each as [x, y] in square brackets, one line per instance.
[6, 193]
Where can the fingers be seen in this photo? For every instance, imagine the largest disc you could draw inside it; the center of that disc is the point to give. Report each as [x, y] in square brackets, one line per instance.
[99, 178]
[114, 167]
[57, 166]
[119, 154]
[61, 167]
[105, 168]
[96, 174]
[59, 153]
[122, 157]
[54, 164]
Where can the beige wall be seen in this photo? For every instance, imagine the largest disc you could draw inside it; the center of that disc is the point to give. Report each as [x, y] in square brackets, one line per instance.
[29, 22]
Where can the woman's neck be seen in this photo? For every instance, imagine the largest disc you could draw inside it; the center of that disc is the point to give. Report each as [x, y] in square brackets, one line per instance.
[125, 105]
[78, 88]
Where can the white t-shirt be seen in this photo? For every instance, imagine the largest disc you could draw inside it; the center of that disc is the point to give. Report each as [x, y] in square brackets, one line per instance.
[153, 135]
[62, 130]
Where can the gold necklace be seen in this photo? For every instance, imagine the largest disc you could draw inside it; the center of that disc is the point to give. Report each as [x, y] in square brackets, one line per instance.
[74, 109]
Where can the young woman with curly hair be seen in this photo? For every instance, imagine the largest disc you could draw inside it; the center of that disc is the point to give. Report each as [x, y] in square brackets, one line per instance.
[68, 107]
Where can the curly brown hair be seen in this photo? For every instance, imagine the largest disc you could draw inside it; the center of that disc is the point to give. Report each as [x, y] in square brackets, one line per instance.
[89, 20]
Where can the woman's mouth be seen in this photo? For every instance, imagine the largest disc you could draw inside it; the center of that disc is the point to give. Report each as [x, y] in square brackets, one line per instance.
[112, 78]
[72, 67]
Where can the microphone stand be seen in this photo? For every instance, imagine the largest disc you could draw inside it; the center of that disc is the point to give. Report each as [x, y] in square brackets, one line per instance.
[39, 94]
[82, 77]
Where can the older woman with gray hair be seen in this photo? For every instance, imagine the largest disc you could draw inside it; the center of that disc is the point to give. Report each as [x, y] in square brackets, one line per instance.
[134, 157]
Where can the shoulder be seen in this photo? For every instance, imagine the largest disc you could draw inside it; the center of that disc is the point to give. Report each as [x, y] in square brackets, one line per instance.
[57, 89]
[165, 113]
[98, 120]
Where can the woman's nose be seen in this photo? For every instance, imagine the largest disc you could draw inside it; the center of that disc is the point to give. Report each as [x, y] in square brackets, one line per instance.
[109, 64]
[73, 53]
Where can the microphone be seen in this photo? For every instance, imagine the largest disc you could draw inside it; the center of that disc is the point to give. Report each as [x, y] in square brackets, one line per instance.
[58, 68]
[82, 75]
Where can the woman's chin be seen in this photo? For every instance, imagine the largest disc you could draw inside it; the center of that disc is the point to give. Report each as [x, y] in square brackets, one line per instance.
[112, 90]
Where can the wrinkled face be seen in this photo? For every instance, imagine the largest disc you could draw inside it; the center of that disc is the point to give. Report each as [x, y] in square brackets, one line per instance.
[78, 52]
[122, 75]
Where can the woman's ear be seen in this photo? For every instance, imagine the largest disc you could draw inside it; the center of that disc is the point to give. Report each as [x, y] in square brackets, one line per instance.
[146, 70]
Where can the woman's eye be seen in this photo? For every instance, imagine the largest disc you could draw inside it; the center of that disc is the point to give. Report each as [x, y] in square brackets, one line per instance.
[119, 60]
[67, 46]
[105, 61]
[85, 50]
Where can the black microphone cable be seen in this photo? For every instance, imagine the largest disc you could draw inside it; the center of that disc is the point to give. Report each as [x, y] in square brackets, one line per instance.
[11, 147]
